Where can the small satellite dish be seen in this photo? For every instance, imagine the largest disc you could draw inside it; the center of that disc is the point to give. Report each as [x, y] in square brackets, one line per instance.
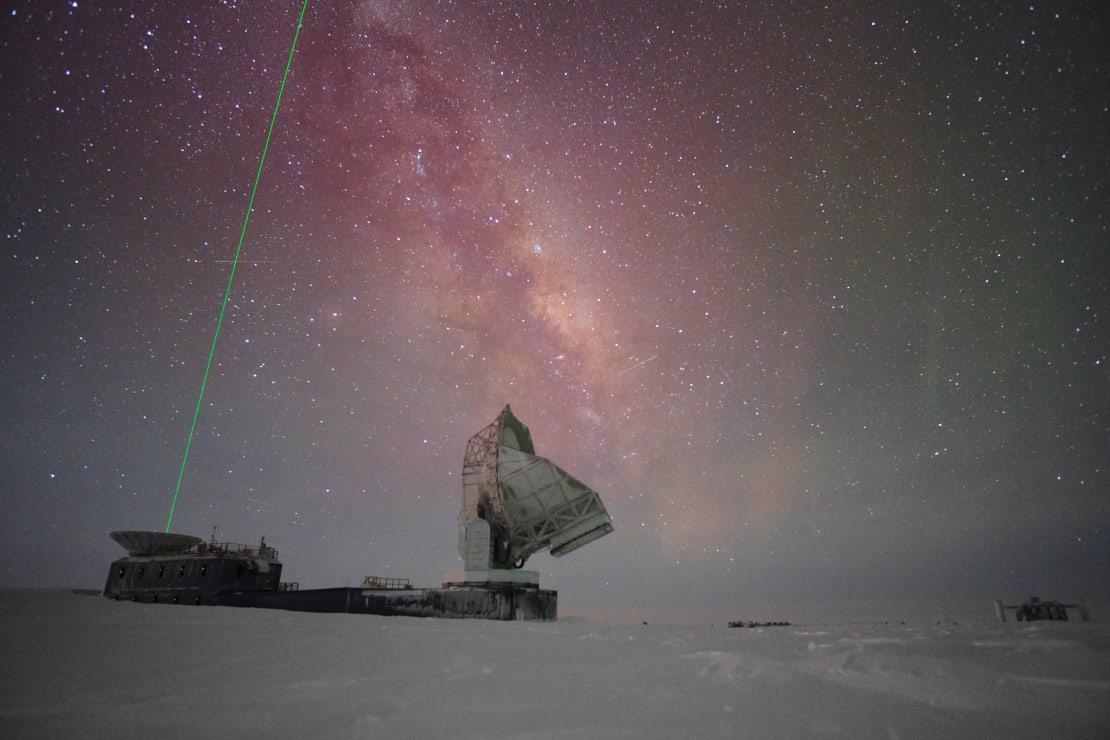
[528, 502]
[154, 543]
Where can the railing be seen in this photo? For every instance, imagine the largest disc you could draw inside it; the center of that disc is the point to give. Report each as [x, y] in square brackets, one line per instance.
[385, 583]
[289, 586]
[232, 548]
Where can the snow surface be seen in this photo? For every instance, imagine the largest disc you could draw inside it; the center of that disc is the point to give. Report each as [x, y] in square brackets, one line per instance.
[83, 666]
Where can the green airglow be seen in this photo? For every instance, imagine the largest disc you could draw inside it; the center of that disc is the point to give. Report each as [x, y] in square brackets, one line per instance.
[234, 265]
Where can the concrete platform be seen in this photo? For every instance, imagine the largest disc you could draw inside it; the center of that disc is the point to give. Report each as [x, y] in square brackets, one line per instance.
[505, 602]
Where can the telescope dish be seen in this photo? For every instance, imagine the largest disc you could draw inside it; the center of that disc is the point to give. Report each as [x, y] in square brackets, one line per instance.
[154, 543]
[529, 502]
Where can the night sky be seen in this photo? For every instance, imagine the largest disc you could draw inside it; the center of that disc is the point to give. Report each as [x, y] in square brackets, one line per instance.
[813, 295]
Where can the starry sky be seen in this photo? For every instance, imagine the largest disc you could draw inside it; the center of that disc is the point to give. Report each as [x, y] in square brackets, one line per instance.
[813, 294]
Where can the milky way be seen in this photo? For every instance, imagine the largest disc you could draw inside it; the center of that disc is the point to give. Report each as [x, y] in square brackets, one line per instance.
[814, 298]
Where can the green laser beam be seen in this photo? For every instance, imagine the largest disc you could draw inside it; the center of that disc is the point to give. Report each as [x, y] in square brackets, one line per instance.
[234, 264]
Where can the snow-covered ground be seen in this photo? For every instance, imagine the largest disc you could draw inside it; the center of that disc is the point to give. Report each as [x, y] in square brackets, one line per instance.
[84, 666]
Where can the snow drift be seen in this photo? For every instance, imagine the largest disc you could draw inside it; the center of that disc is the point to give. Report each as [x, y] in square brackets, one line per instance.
[85, 666]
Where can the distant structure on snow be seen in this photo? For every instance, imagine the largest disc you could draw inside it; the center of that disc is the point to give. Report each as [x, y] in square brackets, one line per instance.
[1033, 610]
